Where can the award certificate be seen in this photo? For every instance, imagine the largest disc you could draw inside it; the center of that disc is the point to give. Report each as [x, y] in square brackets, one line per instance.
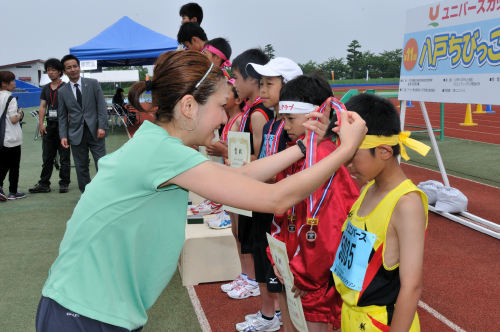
[280, 257]
[238, 150]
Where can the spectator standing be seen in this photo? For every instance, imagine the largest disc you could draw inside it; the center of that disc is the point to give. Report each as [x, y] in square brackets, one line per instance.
[83, 119]
[50, 133]
[11, 136]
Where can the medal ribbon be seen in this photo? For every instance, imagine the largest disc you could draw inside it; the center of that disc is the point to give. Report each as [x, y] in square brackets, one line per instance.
[292, 210]
[228, 127]
[247, 114]
[316, 199]
[272, 150]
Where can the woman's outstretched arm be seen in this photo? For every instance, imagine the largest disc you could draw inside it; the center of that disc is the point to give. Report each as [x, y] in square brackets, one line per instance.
[234, 189]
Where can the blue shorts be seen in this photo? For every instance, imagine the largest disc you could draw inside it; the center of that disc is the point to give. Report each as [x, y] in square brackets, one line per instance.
[52, 317]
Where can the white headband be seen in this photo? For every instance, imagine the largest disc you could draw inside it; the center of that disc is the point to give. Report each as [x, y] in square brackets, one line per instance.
[296, 107]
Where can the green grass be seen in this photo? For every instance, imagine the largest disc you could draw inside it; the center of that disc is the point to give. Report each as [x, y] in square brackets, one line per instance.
[466, 159]
[31, 231]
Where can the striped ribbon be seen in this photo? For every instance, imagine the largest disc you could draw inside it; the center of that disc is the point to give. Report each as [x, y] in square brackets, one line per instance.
[270, 150]
[228, 127]
[247, 114]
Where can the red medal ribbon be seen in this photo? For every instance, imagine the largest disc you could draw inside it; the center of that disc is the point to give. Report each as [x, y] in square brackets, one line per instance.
[228, 127]
[247, 113]
[316, 199]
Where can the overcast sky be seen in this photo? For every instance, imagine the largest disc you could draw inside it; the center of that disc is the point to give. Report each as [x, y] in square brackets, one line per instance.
[301, 30]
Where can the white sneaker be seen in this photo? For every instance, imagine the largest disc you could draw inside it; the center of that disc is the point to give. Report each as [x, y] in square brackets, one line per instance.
[209, 208]
[278, 314]
[244, 290]
[259, 324]
[233, 284]
[259, 314]
[253, 316]
[199, 206]
[222, 221]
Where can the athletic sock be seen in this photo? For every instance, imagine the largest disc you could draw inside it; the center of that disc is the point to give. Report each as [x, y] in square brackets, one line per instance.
[252, 282]
[244, 276]
[267, 317]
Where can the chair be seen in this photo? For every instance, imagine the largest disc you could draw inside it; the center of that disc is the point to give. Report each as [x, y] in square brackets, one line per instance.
[37, 130]
[130, 117]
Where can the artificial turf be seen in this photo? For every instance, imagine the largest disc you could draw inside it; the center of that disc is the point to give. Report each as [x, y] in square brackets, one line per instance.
[31, 230]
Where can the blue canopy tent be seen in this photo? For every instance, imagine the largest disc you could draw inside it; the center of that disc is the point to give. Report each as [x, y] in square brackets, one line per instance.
[125, 43]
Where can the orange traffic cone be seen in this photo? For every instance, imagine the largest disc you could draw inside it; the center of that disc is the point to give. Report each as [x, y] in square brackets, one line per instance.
[479, 109]
[468, 118]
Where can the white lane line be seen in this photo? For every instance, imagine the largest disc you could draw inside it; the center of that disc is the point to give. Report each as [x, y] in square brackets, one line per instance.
[205, 326]
[440, 317]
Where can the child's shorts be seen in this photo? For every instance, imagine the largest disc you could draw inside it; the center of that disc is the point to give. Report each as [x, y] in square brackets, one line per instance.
[245, 234]
[264, 272]
[371, 318]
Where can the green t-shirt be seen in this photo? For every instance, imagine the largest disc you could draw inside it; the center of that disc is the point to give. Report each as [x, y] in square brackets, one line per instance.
[123, 241]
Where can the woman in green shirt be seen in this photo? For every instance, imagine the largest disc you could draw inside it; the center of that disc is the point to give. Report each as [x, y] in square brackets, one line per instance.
[124, 238]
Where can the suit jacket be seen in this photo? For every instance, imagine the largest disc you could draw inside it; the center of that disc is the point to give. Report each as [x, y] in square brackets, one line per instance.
[94, 111]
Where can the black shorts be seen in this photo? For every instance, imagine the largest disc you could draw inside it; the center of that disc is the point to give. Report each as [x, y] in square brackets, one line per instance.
[53, 317]
[264, 272]
[245, 233]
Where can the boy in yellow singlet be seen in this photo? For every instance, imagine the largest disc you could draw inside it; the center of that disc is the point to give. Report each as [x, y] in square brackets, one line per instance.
[378, 265]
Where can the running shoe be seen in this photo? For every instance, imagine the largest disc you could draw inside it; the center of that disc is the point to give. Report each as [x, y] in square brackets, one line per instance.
[3, 197]
[222, 221]
[253, 316]
[278, 314]
[16, 195]
[199, 206]
[243, 291]
[259, 324]
[39, 188]
[209, 208]
[233, 284]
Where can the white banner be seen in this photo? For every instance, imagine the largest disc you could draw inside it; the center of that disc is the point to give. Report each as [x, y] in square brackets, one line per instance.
[452, 53]
[88, 64]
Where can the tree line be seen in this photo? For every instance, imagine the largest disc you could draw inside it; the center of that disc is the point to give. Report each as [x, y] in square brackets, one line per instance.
[386, 64]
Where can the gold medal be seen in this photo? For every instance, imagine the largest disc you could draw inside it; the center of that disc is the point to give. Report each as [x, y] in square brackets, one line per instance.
[291, 226]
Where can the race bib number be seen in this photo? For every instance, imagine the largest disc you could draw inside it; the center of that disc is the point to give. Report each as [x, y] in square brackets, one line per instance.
[53, 114]
[351, 260]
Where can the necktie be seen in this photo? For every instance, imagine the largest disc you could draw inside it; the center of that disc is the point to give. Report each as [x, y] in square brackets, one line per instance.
[78, 95]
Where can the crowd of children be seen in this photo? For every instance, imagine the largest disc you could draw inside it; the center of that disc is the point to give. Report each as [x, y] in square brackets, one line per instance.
[356, 259]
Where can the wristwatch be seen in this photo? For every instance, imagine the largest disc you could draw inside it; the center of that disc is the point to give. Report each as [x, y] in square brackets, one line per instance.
[302, 147]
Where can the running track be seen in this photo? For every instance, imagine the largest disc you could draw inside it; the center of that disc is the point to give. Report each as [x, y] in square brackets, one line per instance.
[460, 277]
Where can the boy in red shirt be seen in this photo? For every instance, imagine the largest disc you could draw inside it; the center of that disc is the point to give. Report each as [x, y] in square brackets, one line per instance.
[311, 249]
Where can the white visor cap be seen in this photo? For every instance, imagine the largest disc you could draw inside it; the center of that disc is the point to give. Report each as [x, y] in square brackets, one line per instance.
[276, 67]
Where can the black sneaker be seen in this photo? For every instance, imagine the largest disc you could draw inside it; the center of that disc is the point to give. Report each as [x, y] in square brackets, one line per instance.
[63, 188]
[16, 195]
[39, 189]
[3, 197]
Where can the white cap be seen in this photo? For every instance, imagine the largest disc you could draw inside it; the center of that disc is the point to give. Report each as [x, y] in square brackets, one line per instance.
[451, 200]
[276, 67]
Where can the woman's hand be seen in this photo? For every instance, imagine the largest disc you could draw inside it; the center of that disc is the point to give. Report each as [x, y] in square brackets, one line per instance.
[320, 125]
[352, 131]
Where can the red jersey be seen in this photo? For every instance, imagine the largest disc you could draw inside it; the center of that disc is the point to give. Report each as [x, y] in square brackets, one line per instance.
[310, 262]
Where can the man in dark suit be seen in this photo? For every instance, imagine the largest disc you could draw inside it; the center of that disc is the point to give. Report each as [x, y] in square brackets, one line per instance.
[83, 119]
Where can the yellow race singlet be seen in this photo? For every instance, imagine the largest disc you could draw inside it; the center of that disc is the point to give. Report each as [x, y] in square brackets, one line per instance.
[368, 287]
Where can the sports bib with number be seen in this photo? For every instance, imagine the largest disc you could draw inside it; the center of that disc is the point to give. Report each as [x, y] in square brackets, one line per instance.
[351, 260]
